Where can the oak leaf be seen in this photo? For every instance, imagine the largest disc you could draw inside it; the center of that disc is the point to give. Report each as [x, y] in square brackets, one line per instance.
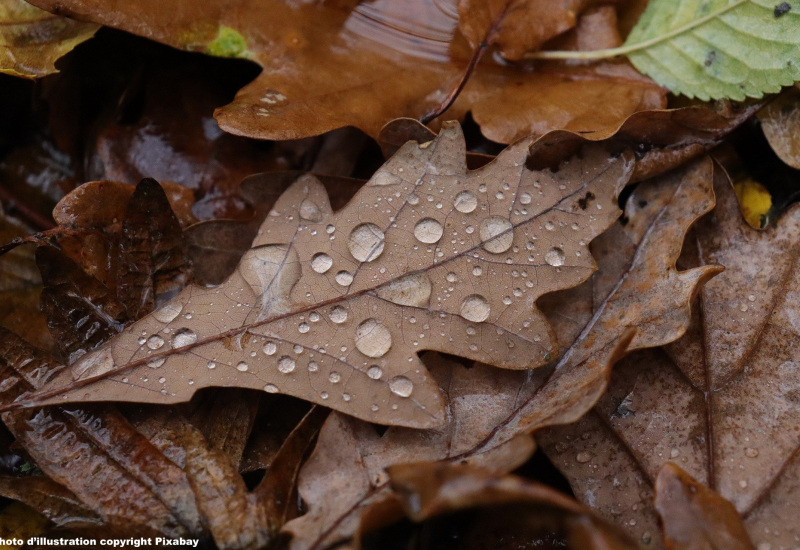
[327, 66]
[333, 307]
[720, 403]
[491, 410]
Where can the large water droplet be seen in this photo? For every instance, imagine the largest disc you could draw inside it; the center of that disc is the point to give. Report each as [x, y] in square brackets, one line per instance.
[286, 364]
[525, 198]
[338, 315]
[555, 257]
[428, 231]
[270, 348]
[497, 234]
[366, 242]
[475, 308]
[373, 339]
[303, 328]
[321, 262]
[412, 290]
[271, 388]
[310, 211]
[183, 337]
[168, 312]
[375, 372]
[334, 377]
[402, 386]
[344, 278]
[242, 366]
[155, 342]
[465, 202]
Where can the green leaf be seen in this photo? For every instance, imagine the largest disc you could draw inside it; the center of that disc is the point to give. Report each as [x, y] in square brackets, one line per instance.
[718, 48]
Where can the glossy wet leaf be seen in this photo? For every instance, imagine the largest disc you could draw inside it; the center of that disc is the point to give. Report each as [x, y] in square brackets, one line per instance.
[327, 66]
[333, 307]
[32, 40]
[524, 510]
[720, 403]
[491, 410]
[718, 49]
[780, 120]
[695, 517]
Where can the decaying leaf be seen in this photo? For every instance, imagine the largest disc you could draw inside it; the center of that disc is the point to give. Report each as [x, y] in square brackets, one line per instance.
[780, 120]
[522, 510]
[31, 40]
[491, 410]
[333, 307]
[720, 403]
[695, 517]
[330, 65]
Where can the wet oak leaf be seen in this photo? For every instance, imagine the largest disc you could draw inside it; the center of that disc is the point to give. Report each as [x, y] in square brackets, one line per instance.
[333, 307]
[330, 66]
[31, 40]
[694, 517]
[491, 409]
[720, 403]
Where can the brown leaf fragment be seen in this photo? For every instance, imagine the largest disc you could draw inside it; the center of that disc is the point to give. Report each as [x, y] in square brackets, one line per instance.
[152, 262]
[95, 453]
[81, 312]
[360, 282]
[222, 498]
[50, 499]
[31, 40]
[526, 511]
[694, 517]
[780, 120]
[720, 402]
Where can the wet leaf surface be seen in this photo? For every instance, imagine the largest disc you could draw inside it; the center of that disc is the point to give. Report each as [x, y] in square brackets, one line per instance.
[719, 403]
[316, 280]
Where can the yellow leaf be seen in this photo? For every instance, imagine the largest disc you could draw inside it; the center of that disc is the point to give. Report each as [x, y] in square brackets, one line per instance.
[754, 200]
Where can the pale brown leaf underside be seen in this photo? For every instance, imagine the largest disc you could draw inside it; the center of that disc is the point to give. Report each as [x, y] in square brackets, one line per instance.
[334, 307]
[720, 403]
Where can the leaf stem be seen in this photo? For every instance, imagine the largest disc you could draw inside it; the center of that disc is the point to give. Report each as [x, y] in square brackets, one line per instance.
[631, 48]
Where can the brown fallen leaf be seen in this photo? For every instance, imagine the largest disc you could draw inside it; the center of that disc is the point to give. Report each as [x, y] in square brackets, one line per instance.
[50, 499]
[720, 403]
[780, 120]
[95, 452]
[491, 410]
[31, 40]
[695, 517]
[312, 310]
[327, 66]
[524, 511]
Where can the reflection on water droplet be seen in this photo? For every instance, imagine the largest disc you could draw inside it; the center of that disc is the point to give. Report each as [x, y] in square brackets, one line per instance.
[156, 363]
[428, 231]
[310, 211]
[324, 395]
[497, 234]
[338, 315]
[412, 290]
[168, 312]
[271, 388]
[525, 198]
[365, 243]
[270, 348]
[451, 277]
[141, 340]
[303, 328]
[329, 229]
[555, 257]
[312, 366]
[549, 226]
[162, 380]
[674, 453]
[375, 372]
[465, 202]
[346, 396]
[477, 271]
[183, 337]
[373, 339]
[475, 308]
[334, 377]
[286, 364]
[212, 365]
[750, 452]
[583, 457]
[242, 366]
[344, 278]
[155, 342]
[402, 386]
[321, 262]
[313, 316]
